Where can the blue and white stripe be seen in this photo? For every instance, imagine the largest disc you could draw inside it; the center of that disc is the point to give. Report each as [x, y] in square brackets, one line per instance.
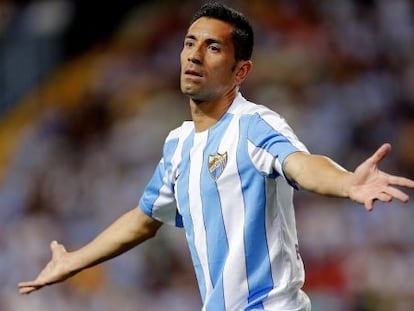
[240, 227]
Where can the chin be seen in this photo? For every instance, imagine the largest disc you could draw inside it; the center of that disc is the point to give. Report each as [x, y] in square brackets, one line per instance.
[194, 97]
[189, 92]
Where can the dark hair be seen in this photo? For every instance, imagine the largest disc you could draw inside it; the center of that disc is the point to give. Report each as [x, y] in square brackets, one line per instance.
[242, 37]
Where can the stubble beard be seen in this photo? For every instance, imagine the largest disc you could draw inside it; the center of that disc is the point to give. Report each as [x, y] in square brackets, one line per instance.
[194, 93]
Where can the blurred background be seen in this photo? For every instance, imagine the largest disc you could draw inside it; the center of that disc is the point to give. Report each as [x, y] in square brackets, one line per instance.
[90, 89]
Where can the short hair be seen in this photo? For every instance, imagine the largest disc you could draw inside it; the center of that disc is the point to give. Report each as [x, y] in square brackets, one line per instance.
[242, 36]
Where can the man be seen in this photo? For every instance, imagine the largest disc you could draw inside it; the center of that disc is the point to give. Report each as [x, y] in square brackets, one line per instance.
[227, 177]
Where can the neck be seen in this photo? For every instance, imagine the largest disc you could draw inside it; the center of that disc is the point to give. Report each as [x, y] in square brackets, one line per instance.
[207, 113]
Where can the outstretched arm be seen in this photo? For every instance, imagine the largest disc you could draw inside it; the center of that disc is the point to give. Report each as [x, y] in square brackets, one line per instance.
[365, 185]
[131, 229]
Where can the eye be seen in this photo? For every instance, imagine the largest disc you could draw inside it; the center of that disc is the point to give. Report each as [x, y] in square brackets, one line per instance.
[214, 48]
[188, 43]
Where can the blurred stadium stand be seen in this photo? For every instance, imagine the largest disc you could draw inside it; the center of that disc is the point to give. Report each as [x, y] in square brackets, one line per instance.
[89, 90]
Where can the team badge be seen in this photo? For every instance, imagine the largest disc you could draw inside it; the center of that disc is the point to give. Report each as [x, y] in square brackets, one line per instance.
[216, 164]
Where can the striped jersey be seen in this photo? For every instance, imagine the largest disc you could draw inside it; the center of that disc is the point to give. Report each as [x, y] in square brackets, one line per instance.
[227, 188]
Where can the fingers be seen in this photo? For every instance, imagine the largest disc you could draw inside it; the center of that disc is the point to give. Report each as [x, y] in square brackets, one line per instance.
[386, 196]
[397, 194]
[31, 286]
[27, 287]
[369, 205]
[44, 277]
[383, 197]
[401, 181]
[27, 290]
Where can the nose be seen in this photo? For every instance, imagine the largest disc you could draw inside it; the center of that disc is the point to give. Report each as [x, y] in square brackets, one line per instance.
[195, 55]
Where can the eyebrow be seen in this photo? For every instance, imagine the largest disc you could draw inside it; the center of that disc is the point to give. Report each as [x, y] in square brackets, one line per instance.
[208, 41]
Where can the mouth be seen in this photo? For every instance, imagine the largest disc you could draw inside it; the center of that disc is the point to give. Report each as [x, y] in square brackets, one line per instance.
[194, 73]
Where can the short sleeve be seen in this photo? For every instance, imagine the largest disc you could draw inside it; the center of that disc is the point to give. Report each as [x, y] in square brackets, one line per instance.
[158, 200]
[270, 141]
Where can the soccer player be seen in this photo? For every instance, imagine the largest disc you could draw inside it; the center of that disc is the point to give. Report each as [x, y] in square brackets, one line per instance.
[227, 177]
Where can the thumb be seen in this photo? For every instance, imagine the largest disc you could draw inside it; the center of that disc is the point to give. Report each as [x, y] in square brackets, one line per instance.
[57, 248]
[381, 153]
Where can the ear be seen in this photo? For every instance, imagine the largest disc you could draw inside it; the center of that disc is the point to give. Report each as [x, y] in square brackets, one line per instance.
[242, 70]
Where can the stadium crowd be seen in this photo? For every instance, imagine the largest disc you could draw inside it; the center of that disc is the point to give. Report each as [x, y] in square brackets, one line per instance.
[341, 72]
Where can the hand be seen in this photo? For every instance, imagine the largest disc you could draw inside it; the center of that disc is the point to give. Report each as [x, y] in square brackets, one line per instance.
[54, 271]
[369, 184]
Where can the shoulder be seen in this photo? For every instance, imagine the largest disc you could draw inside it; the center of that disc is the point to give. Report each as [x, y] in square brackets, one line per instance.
[182, 131]
[174, 141]
[254, 112]
[261, 120]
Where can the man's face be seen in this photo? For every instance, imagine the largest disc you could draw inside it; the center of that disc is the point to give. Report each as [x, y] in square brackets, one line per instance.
[207, 60]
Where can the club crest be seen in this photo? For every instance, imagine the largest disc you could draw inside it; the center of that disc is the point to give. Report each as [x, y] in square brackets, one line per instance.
[216, 164]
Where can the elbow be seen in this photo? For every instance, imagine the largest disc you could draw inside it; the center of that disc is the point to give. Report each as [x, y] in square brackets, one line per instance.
[151, 232]
[148, 230]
